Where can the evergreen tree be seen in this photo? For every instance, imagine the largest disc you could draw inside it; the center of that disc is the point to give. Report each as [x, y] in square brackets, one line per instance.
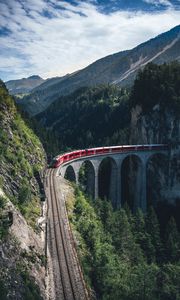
[172, 241]
[168, 282]
[123, 238]
[153, 229]
[105, 211]
[143, 238]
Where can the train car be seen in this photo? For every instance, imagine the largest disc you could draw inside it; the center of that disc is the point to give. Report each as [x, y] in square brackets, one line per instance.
[55, 162]
[58, 160]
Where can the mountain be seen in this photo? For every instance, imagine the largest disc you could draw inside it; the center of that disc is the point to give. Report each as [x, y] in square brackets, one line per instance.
[22, 273]
[70, 117]
[24, 85]
[120, 69]
[110, 115]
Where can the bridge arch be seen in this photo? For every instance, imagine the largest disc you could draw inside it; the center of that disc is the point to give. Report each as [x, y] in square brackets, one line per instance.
[70, 174]
[86, 177]
[157, 178]
[132, 181]
[107, 179]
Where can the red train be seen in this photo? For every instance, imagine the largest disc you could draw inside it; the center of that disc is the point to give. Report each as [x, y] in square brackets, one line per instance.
[61, 159]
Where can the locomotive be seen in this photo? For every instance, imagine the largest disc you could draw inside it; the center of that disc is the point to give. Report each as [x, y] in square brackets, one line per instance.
[66, 157]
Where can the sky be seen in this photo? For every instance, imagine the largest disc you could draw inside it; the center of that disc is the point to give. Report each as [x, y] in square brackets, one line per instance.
[53, 37]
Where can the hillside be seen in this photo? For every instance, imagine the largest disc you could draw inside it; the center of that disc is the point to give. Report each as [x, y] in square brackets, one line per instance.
[108, 115]
[21, 157]
[101, 115]
[24, 85]
[120, 69]
[88, 117]
[124, 255]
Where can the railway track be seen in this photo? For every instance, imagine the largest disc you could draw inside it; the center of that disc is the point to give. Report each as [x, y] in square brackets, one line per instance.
[68, 278]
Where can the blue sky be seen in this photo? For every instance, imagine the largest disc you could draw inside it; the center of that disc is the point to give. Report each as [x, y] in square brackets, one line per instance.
[53, 37]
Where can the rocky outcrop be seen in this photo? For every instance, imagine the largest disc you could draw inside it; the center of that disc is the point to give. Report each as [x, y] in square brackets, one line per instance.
[22, 271]
[21, 257]
[156, 127]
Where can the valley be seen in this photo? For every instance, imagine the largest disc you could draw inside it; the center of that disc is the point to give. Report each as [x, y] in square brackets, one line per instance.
[90, 179]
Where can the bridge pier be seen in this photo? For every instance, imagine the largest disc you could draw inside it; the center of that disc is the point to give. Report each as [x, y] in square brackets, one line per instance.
[143, 198]
[96, 189]
[115, 187]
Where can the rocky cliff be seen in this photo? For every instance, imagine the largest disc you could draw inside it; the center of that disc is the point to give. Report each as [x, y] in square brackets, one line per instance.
[154, 127]
[163, 172]
[22, 269]
[155, 123]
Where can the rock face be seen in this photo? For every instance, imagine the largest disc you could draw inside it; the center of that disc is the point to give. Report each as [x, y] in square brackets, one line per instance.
[21, 250]
[154, 127]
[163, 172]
[20, 150]
[21, 258]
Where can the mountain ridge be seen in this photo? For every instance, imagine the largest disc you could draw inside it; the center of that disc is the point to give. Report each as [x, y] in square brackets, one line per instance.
[23, 85]
[119, 68]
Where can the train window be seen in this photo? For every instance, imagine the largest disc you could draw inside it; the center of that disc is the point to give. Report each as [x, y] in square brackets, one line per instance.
[106, 150]
[76, 154]
[99, 151]
[117, 149]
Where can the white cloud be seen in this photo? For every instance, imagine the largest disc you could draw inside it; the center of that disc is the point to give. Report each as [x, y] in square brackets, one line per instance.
[159, 2]
[73, 37]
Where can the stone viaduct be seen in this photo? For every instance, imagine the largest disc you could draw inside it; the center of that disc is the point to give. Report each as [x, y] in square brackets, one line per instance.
[71, 170]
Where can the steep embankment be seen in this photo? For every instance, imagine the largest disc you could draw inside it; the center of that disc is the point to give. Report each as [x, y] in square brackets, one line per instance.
[21, 156]
[155, 118]
[120, 68]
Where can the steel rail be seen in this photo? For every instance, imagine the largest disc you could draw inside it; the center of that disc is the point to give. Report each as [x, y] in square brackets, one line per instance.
[68, 284]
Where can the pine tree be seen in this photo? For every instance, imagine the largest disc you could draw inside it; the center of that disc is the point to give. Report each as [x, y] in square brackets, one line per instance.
[123, 238]
[153, 229]
[172, 241]
[142, 237]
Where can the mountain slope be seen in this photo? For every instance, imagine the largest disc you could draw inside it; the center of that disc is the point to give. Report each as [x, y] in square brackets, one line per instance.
[21, 154]
[120, 68]
[22, 272]
[24, 85]
[88, 117]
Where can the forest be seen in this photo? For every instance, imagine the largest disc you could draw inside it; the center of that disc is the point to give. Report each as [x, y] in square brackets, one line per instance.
[101, 115]
[123, 255]
[127, 255]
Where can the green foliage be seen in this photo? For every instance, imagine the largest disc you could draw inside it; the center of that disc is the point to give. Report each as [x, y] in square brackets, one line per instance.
[153, 229]
[3, 219]
[3, 291]
[2, 202]
[32, 291]
[143, 238]
[24, 194]
[158, 84]
[123, 238]
[89, 117]
[22, 154]
[168, 281]
[121, 254]
[172, 245]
